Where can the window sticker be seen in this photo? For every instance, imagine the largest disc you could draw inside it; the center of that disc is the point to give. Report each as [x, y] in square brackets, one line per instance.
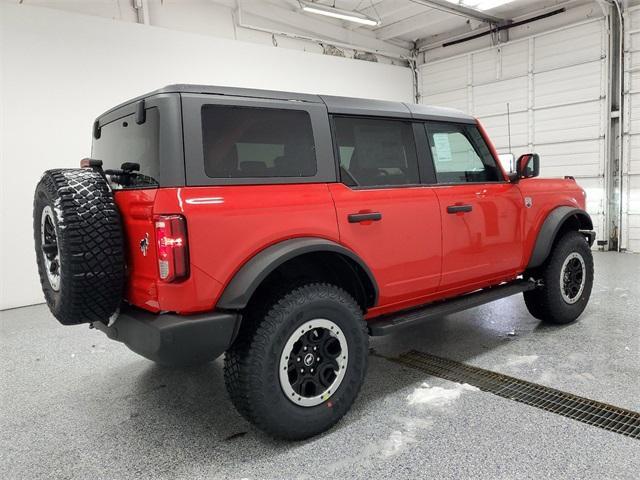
[442, 147]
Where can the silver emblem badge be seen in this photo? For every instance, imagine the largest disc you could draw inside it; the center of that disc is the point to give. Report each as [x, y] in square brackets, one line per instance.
[144, 244]
[528, 202]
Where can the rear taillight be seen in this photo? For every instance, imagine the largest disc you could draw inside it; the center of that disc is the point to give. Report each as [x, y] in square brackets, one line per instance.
[173, 250]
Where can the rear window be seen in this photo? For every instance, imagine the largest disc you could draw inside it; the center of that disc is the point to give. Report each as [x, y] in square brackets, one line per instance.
[123, 140]
[247, 142]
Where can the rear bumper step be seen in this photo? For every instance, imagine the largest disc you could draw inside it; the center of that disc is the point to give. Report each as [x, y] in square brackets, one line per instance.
[172, 339]
[390, 323]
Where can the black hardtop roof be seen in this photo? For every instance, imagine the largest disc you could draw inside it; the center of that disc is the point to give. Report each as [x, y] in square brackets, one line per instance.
[335, 104]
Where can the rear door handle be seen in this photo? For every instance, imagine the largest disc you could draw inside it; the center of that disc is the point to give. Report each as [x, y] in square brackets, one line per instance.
[364, 217]
[459, 208]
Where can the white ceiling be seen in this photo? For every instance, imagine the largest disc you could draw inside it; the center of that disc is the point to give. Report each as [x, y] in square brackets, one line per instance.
[403, 22]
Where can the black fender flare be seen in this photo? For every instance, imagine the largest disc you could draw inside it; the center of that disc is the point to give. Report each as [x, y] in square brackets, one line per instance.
[244, 283]
[550, 228]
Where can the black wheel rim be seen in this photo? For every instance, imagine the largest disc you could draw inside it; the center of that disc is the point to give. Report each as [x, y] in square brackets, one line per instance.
[50, 248]
[313, 362]
[572, 278]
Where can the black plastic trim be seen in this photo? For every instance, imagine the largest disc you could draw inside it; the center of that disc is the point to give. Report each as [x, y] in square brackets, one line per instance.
[390, 323]
[172, 339]
[239, 290]
[459, 208]
[364, 217]
[141, 114]
[550, 229]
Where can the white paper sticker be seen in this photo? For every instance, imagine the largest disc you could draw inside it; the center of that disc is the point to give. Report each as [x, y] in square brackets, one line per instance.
[442, 147]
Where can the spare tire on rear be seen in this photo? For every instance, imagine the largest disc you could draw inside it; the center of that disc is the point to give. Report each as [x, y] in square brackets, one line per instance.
[79, 245]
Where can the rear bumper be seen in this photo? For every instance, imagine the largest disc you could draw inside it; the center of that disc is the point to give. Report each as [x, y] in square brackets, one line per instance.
[172, 339]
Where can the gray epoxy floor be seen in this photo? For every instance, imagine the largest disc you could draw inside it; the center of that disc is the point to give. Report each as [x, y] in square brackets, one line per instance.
[76, 405]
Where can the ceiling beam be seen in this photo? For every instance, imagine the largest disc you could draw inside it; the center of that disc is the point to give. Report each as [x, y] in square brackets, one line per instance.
[311, 24]
[409, 25]
[461, 10]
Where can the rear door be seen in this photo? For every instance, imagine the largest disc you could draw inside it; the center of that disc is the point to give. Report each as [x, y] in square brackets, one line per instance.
[384, 214]
[480, 210]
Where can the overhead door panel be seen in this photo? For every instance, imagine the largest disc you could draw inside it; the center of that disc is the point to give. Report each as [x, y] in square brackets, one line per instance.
[630, 197]
[449, 75]
[569, 46]
[492, 98]
[453, 98]
[577, 83]
[514, 59]
[498, 129]
[556, 86]
[567, 123]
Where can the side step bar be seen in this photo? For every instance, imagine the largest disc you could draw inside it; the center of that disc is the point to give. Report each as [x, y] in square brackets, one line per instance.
[387, 324]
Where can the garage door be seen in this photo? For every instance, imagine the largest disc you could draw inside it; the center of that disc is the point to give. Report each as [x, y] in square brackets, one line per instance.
[631, 153]
[556, 87]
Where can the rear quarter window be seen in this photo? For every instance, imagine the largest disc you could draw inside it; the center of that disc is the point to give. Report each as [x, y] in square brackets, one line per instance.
[248, 142]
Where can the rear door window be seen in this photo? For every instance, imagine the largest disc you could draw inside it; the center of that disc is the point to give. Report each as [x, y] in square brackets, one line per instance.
[376, 152]
[124, 140]
[460, 154]
[248, 142]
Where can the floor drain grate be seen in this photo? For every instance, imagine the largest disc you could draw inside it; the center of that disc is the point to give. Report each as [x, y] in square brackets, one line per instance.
[591, 412]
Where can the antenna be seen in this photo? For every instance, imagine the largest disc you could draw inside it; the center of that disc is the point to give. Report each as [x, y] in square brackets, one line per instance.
[509, 132]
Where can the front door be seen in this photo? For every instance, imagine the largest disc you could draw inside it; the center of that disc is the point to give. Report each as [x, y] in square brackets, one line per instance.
[384, 214]
[480, 210]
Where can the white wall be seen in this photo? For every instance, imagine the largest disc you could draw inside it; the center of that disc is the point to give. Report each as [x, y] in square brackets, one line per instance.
[60, 70]
[221, 18]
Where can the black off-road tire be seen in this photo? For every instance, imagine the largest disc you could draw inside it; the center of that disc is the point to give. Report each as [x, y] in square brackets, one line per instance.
[88, 230]
[546, 303]
[251, 366]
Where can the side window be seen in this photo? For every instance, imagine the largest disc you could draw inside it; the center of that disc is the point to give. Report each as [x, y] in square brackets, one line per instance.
[460, 154]
[241, 142]
[376, 152]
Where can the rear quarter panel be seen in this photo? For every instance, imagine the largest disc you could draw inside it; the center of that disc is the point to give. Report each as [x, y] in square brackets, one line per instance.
[136, 210]
[228, 225]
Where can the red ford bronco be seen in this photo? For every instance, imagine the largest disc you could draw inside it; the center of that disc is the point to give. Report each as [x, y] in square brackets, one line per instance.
[285, 228]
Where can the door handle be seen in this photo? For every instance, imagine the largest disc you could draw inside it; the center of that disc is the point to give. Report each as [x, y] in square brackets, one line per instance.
[459, 208]
[364, 217]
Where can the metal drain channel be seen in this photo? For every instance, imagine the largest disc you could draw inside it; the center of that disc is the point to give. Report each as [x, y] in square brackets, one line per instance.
[591, 412]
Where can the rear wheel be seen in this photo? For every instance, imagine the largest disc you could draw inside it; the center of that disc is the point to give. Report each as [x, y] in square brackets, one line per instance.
[567, 279]
[297, 370]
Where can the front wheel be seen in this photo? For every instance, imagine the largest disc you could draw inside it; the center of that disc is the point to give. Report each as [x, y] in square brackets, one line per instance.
[567, 279]
[297, 370]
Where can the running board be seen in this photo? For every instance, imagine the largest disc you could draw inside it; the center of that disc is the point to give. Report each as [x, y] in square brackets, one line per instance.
[387, 324]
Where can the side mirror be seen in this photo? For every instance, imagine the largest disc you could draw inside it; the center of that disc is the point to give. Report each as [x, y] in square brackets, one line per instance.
[527, 166]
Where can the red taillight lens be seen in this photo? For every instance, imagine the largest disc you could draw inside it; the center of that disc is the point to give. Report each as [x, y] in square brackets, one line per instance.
[173, 251]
